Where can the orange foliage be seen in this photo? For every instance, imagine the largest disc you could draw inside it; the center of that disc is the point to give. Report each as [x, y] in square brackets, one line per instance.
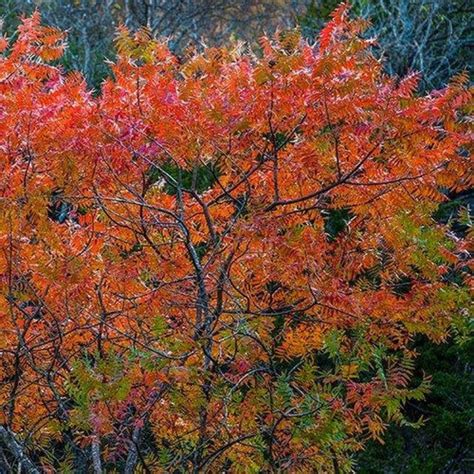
[172, 255]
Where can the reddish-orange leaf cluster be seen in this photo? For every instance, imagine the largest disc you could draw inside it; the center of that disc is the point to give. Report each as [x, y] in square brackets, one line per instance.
[218, 263]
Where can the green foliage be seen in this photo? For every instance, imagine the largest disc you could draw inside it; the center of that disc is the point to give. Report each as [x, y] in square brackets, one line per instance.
[444, 442]
[96, 379]
[159, 326]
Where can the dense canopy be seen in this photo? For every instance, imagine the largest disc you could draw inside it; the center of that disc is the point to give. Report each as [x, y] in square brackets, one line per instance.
[218, 262]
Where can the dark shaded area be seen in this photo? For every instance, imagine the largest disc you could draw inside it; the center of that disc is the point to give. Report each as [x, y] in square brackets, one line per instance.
[445, 443]
[59, 209]
[174, 178]
[335, 222]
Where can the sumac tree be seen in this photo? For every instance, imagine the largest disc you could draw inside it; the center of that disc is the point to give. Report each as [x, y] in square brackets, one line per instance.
[218, 264]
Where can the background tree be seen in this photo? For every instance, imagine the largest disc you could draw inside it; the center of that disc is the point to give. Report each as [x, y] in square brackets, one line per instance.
[91, 24]
[430, 36]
